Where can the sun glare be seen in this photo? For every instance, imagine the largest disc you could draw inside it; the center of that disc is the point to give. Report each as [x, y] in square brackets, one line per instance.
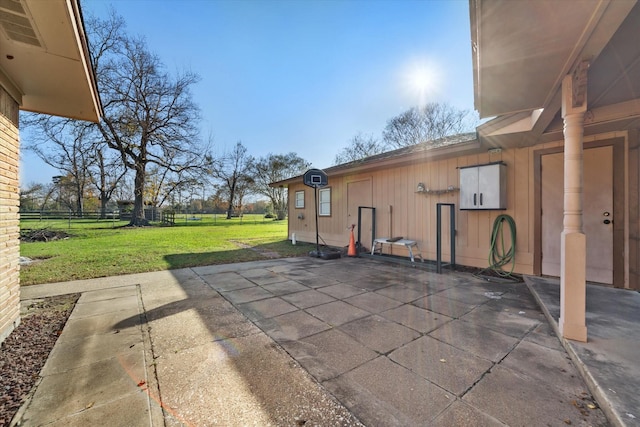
[421, 81]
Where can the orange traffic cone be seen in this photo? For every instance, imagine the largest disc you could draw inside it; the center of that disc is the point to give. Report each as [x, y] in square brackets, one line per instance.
[352, 244]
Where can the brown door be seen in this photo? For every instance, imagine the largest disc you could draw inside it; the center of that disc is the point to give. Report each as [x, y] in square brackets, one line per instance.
[597, 212]
[359, 193]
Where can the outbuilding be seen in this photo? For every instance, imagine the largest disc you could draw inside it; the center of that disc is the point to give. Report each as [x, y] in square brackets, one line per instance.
[560, 85]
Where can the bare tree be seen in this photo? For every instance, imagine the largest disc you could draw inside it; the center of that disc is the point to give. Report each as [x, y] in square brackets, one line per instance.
[417, 125]
[235, 172]
[162, 182]
[107, 172]
[49, 193]
[274, 168]
[75, 149]
[149, 115]
[218, 199]
[32, 196]
[64, 185]
[421, 125]
[159, 185]
[360, 147]
[124, 190]
[66, 146]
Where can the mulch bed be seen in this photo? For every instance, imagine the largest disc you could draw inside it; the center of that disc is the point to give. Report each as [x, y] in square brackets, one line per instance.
[24, 352]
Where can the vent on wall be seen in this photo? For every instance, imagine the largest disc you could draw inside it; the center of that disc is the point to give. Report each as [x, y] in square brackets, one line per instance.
[15, 23]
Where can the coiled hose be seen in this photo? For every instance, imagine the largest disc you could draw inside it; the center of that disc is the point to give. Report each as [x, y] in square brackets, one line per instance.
[498, 255]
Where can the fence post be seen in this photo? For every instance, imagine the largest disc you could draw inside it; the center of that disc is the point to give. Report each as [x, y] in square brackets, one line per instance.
[69, 219]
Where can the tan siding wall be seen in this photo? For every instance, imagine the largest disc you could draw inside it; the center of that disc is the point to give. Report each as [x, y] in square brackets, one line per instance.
[9, 220]
[413, 215]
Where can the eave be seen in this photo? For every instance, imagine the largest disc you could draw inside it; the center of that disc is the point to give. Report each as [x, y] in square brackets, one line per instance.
[44, 59]
[522, 51]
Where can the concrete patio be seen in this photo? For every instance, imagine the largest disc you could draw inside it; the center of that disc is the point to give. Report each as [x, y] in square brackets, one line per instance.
[609, 360]
[302, 341]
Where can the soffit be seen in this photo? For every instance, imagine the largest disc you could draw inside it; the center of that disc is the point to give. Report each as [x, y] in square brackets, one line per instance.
[523, 49]
[44, 59]
[614, 76]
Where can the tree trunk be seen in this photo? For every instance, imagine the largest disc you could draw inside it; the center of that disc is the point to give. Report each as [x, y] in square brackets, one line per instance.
[79, 200]
[79, 208]
[137, 216]
[103, 198]
[232, 195]
[103, 205]
[279, 206]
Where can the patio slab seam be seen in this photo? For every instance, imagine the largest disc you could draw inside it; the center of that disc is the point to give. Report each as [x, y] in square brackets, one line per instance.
[156, 411]
[353, 310]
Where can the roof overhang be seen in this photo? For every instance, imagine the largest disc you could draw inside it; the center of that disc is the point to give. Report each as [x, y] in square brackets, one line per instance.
[523, 50]
[44, 58]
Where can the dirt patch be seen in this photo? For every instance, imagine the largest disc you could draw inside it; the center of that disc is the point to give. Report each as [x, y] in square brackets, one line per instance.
[43, 235]
[24, 352]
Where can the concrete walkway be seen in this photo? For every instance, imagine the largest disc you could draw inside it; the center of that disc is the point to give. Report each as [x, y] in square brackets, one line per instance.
[609, 361]
[303, 341]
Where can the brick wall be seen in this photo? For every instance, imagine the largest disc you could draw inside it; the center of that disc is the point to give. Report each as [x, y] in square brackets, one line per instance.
[9, 219]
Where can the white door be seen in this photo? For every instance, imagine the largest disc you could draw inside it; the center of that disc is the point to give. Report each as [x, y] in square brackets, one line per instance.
[597, 212]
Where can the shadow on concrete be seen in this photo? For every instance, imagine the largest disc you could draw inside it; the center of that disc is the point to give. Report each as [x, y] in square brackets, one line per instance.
[203, 344]
[165, 310]
[194, 259]
[244, 253]
[374, 335]
[302, 341]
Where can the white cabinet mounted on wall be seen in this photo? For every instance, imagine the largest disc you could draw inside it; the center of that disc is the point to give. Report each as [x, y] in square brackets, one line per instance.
[483, 187]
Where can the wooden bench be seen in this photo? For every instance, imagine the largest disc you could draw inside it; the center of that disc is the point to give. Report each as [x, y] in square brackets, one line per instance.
[408, 244]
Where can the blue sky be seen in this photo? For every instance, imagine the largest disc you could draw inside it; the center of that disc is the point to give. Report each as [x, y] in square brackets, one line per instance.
[302, 76]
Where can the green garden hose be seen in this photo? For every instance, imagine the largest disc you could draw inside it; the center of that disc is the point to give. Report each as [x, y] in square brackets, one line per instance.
[498, 255]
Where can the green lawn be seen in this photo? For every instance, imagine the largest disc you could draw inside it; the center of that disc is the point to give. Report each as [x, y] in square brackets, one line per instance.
[98, 249]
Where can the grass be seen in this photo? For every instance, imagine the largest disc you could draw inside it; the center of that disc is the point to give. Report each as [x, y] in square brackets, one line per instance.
[98, 249]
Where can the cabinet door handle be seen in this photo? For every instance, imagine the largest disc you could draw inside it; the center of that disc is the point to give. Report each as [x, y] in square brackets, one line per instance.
[480, 199]
[475, 196]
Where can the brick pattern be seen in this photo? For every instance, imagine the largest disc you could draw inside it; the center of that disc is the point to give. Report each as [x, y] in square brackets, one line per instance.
[9, 216]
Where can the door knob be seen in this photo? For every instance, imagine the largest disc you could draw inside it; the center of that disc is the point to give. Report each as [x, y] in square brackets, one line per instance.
[606, 221]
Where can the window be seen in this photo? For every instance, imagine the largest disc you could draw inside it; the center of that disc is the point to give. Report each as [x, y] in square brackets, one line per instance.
[299, 199]
[324, 206]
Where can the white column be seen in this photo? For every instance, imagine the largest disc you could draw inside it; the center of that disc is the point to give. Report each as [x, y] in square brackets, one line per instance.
[572, 320]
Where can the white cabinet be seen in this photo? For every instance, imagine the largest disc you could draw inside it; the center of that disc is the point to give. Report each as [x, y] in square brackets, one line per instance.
[483, 187]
